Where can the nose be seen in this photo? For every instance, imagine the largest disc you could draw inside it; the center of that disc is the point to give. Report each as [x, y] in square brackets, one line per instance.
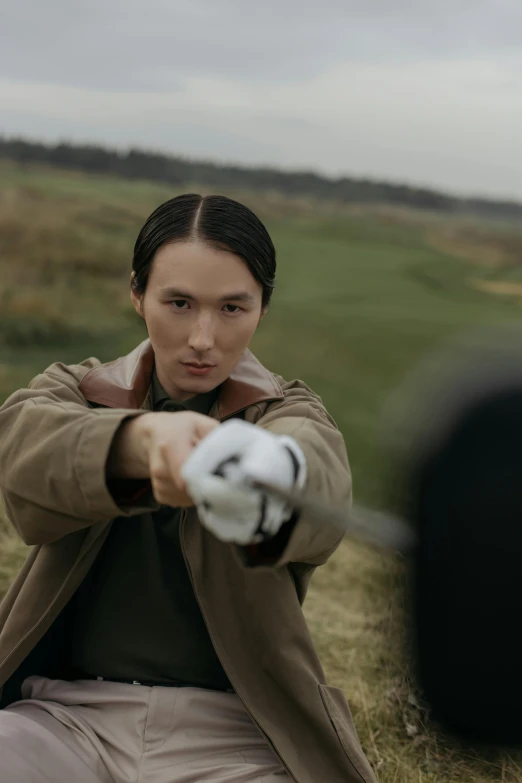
[201, 338]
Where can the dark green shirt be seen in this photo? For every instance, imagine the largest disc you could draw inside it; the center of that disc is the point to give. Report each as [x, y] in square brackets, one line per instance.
[135, 615]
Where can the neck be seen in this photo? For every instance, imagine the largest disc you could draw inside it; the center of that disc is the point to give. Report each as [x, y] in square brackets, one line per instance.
[172, 390]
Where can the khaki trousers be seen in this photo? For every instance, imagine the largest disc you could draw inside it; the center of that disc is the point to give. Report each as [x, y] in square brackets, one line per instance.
[90, 731]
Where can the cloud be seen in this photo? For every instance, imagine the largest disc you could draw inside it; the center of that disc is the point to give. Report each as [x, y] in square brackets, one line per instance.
[429, 93]
[135, 45]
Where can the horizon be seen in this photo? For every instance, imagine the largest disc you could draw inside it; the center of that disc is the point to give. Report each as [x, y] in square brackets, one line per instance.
[373, 180]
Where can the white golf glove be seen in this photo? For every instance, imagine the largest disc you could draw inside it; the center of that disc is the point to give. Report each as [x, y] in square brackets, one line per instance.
[219, 473]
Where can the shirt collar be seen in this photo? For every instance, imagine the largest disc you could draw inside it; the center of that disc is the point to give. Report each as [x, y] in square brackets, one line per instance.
[201, 403]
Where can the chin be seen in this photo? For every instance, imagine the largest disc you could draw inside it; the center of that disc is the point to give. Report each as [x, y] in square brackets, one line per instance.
[198, 385]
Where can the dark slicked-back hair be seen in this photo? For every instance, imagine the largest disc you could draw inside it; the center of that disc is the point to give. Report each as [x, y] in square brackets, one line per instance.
[216, 220]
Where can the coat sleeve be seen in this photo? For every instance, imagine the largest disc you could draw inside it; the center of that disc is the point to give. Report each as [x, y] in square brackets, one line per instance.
[305, 539]
[53, 453]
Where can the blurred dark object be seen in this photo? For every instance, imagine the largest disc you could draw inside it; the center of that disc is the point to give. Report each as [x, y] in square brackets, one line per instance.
[467, 507]
[461, 487]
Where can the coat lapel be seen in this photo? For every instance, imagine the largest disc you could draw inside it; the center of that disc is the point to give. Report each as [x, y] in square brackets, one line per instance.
[126, 382]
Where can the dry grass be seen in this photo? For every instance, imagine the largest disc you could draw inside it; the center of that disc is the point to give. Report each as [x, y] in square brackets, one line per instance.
[355, 612]
[499, 288]
[64, 261]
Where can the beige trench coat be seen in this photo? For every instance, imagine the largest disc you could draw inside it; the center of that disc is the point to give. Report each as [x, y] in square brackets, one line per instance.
[55, 437]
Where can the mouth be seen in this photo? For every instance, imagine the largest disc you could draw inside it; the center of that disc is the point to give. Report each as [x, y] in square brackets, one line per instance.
[195, 368]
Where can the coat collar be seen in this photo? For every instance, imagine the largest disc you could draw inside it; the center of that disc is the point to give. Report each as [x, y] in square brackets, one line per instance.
[125, 383]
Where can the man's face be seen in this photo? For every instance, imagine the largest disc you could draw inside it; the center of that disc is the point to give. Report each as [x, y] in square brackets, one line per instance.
[201, 307]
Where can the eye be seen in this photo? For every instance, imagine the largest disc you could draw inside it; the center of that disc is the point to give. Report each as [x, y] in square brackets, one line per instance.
[179, 304]
[232, 309]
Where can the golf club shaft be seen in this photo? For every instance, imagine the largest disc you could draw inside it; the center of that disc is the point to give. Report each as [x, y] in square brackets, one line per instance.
[374, 527]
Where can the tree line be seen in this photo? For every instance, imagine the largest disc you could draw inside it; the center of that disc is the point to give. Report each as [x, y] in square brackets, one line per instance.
[177, 170]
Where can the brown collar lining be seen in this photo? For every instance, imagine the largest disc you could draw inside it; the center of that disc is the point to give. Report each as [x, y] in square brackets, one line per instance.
[125, 382]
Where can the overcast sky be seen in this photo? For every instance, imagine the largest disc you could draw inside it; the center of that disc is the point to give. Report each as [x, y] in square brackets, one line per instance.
[421, 91]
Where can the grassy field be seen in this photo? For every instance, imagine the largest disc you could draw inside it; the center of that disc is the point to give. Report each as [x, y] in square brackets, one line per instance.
[362, 294]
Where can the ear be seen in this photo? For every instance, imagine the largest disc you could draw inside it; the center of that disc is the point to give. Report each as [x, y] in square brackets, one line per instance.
[136, 299]
[264, 311]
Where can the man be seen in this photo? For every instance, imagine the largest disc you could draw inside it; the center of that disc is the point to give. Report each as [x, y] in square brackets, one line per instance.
[155, 632]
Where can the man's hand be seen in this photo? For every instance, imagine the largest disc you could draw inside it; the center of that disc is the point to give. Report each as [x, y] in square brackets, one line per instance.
[219, 474]
[154, 446]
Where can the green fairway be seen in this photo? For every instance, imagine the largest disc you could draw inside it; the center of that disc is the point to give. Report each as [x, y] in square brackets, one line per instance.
[361, 296]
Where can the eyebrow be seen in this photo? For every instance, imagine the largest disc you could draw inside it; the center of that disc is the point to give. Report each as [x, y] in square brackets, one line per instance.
[235, 296]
